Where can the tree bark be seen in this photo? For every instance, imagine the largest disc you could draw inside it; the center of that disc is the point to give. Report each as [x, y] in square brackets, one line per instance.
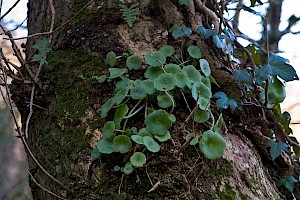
[66, 125]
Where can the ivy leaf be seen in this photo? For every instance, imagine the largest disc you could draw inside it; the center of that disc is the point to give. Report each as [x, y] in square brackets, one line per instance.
[43, 48]
[288, 183]
[243, 76]
[204, 33]
[223, 101]
[276, 148]
[180, 31]
[280, 67]
[184, 2]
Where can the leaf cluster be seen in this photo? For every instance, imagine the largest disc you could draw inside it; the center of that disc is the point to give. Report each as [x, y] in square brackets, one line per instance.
[165, 76]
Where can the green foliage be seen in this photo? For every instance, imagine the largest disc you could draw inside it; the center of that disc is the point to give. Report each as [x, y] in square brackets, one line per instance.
[111, 59]
[276, 148]
[180, 31]
[224, 102]
[42, 46]
[184, 2]
[138, 159]
[212, 145]
[288, 183]
[130, 13]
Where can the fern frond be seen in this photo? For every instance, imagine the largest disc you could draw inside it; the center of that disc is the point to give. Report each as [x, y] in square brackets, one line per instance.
[130, 13]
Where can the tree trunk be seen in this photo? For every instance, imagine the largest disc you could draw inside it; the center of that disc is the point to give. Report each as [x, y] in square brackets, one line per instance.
[66, 124]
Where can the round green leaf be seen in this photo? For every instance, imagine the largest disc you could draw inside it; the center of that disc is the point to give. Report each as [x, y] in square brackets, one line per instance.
[137, 139]
[111, 59]
[144, 132]
[158, 122]
[148, 86]
[108, 129]
[105, 146]
[128, 169]
[167, 50]
[95, 154]
[204, 65]
[151, 144]
[194, 52]
[165, 82]
[201, 116]
[134, 62]
[212, 145]
[138, 159]
[156, 58]
[172, 68]
[163, 138]
[138, 92]
[116, 72]
[153, 72]
[180, 79]
[164, 100]
[122, 144]
[117, 168]
[191, 73]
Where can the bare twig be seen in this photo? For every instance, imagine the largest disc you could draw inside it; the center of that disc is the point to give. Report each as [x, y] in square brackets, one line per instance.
[58, 28]
[46, 190]
[10, 9]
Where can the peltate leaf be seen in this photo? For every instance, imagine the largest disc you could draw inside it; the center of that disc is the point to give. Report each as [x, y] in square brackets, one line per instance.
[138, 159]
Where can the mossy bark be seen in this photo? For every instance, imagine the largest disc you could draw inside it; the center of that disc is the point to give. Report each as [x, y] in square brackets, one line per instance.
[63, 132]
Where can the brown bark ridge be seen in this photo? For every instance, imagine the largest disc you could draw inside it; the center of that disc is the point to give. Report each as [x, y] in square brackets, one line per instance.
[66, 125]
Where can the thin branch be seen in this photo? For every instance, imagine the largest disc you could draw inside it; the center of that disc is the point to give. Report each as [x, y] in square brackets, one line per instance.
[46, 190]
[10, 9]
[58, 28]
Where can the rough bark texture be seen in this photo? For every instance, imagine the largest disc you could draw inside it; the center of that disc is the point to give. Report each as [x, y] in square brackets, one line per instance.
[63, 133]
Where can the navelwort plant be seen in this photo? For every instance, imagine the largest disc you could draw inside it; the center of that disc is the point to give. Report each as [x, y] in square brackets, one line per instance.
[167, 75]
